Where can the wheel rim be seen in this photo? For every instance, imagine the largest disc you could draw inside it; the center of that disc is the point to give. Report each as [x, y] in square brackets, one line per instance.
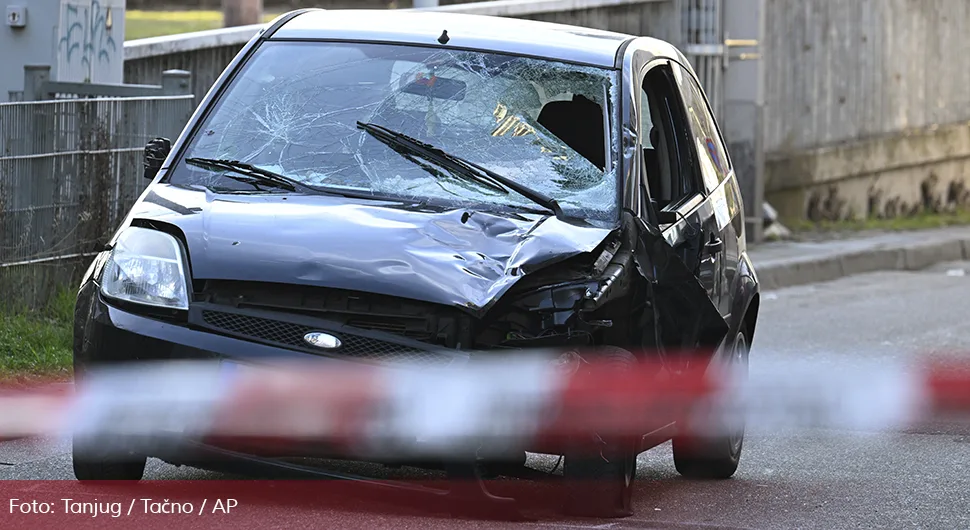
[739, 361]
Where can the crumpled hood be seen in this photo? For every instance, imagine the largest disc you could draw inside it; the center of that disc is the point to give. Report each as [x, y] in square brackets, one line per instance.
[450, 258]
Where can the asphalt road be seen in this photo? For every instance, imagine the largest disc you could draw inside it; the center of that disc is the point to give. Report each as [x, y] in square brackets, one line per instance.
[786, 480]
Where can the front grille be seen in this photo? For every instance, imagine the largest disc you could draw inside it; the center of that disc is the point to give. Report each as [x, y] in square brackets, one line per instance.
[291, 334]
[259, 328]
[432, 324]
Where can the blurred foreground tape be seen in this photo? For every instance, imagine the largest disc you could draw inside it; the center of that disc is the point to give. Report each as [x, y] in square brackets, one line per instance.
[512, 401]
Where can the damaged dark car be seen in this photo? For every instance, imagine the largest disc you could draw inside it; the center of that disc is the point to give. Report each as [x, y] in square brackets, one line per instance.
[381, 186]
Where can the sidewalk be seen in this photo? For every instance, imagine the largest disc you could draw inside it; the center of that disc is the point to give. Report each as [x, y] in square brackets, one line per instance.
[790, 263]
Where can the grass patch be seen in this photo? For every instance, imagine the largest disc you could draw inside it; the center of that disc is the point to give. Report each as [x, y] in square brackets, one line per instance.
[38, 343]
[144, 24]
[915, 222]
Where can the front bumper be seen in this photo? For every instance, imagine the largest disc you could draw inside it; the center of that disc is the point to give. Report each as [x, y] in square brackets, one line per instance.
[109, 334]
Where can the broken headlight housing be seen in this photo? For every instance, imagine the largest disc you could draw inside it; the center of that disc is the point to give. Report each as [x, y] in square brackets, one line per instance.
[146, 267]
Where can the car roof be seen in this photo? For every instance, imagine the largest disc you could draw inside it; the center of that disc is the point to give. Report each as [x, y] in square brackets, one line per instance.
[487, 33]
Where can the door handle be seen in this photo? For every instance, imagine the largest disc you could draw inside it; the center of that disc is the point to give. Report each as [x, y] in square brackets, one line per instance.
[714, 246]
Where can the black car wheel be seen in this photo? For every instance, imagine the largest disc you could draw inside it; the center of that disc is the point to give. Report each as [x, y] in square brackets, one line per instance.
[91, 466]
[600, 480]
[718, 457]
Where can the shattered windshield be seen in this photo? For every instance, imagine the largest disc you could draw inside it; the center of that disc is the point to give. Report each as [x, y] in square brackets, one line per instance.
[296, 110]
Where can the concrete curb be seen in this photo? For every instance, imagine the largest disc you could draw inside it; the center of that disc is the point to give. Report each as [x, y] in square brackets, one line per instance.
[916, 255]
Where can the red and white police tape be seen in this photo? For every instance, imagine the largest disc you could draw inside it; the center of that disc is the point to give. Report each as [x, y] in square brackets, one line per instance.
[511, 401]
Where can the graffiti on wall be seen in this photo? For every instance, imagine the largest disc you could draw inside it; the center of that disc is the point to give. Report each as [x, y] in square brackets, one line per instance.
[86, 42]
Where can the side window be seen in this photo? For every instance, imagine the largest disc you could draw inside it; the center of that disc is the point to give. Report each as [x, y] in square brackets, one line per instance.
[669, 160]
[713, 157]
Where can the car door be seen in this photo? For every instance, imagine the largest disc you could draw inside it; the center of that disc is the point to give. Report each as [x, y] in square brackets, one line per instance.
[675, 195]
[720, 187]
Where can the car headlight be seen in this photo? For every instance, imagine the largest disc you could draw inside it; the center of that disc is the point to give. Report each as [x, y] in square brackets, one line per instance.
[146, 267]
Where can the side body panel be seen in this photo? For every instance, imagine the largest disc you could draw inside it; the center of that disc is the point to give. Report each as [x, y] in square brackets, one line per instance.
[728, 275]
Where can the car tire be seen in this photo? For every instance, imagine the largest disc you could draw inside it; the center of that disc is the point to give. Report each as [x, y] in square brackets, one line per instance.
[601, 486]
[496, 466]
[91, 467]
[699, 457]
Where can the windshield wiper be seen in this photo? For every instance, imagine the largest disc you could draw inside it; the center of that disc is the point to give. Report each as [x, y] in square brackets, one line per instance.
[265, 176]
[258, 174]
[462, 167]
[400, 141]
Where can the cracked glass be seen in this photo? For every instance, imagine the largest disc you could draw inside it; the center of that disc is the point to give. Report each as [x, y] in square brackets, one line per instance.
[295, 108]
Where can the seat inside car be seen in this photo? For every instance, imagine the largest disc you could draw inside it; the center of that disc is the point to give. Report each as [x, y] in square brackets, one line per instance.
[578, 123]
[657, 152]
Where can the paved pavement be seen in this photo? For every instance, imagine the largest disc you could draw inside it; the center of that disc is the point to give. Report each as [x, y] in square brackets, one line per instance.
[790, 263]
[815, 479]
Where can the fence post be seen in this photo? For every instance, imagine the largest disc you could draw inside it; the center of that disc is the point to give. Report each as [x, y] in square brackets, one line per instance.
[35, 184]
[35, 77]
[176, 82]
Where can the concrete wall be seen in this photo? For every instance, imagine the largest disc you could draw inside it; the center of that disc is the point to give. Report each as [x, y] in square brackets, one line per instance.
[915, 171]
[866, 106]
[207, 53]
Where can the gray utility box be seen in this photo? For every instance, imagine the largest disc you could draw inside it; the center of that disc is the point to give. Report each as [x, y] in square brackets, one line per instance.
[82, 40]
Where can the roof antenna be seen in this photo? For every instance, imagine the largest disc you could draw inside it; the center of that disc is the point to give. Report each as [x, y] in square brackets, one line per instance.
[444, 38]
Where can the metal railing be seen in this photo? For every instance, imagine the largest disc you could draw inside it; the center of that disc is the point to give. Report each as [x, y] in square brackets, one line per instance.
[70, 168]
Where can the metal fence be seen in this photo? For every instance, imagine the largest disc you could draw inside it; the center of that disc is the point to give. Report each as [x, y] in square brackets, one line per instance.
[703, 41]
[69, 171]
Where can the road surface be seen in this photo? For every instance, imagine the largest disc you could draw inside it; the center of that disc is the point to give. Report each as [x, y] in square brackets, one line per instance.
[786, 480]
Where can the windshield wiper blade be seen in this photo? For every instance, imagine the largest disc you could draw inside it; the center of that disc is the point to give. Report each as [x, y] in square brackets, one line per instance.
[266, 176]
[463, 167]
[256, 173]
[414, 146]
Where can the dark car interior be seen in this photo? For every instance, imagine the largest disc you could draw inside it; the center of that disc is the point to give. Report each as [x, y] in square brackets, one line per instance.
[670, 167]
[578, 123]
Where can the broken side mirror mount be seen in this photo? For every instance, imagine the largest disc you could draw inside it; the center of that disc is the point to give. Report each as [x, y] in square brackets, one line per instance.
[715, 245]
[156, 152]
[678, 291]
